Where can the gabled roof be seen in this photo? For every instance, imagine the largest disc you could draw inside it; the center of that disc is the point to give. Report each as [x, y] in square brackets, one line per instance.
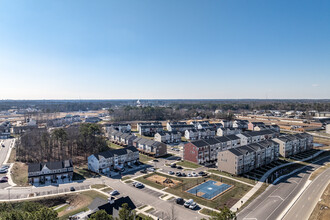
[35, 167]
[222, 139]
[115, 152]
[232, 137]
[199, 143]
[235, 151]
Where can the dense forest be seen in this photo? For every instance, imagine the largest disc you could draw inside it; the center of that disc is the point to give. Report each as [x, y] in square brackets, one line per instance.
[26, 211]
[48, 106]
[76, 142]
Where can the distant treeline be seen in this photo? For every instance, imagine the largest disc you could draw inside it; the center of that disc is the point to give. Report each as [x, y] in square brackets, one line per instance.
[74, 142]
[49, 106]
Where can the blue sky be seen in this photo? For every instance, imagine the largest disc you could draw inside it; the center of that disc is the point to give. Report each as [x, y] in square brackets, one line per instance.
[164, 49]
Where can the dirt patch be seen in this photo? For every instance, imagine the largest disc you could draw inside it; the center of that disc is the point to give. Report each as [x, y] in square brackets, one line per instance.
[19, 174]
[76, 201]
[322, 208]
[163, 180]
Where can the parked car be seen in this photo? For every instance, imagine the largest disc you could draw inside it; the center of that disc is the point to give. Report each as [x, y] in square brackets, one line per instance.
[179, 167]
[5, 167]
[189, 175]
[114, 192]
[193, 206]
[134, 183]
[179, 201]
[194, 174]
[143, 171]
[178, 174]
[155, 160]
[72, 189]
[173, 165]
[171, 172]
[3, 170]
[188, 203]
[201, 173]
[4, 179]
[139, 185]
[150, 169]
[183, 174]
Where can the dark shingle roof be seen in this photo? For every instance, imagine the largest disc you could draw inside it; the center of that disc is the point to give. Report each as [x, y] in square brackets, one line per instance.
[35, 167]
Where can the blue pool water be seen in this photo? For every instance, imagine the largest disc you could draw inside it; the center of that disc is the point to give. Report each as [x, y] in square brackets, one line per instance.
[209, 189]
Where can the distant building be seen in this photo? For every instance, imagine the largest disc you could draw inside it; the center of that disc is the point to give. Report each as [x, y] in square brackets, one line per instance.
[227, 131]
[150, 147]
[168, 137]
[110, 160]
[252, 125]
[92, 120]
[50, 171]
[5, 128]
[179, 126]
[122, 127]
[149, 129]
[121, 138]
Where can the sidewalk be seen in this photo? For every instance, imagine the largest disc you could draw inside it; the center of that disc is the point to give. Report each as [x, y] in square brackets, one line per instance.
[248, 195]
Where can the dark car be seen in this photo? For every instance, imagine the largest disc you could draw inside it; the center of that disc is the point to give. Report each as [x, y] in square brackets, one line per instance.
[183, 174]
[179, 167]
[178, 174]
[202, 173]
[155, 160]
[173, 165]
[144, 171]
[179, 201]
[72, 189]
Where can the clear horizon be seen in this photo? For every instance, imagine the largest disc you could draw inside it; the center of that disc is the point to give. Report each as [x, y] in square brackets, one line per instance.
[164, 50]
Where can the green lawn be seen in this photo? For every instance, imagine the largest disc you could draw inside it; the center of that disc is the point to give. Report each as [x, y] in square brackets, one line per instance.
[255, 195]
[145, 158]
[98, 186]
[228, 198]
[188, 164]
[114, 146]
[250, 181]
[126, 178]
[206, 211]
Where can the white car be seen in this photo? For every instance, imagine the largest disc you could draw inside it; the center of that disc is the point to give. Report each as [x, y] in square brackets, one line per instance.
[151, 169]
[188, 203]
[189, 175]
[139, 185]
[194, 174]
[114, 192]
[193, 205]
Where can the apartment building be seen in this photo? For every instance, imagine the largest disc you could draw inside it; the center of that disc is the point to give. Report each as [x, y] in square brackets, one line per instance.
[243, 159]
[179, 126]
[5, 128]
[150, 147]
[252, 125]
[50, 171]
[294, 144]
[106, 161]
[249, 137]
[197, 134]
[168, 137]
[122, 127]
[149, 129]
[227, 131]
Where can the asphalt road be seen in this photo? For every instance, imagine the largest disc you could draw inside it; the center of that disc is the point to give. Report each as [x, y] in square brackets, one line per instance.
[271, 203]
[3, 154]
[306, 203]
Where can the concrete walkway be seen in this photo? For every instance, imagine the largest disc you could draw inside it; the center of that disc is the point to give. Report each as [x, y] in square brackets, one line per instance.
[227, 177]
[249, 194]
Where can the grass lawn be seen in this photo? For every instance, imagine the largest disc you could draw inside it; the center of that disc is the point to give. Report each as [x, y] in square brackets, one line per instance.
[114, 146]
[187, 164]
[206, 211]
[142, 207]
[163, 195]
[62, 208]
[20, 174]
[228, 199]
[108, 189]
[172, 197]
[144, 158]
[319, 171]
[320, 212]
[98, 186]
[79, 202]
[12, 157]
[129, 181]
[250, 181]
[126, 178]
[255, 195]
[82, 172]
[149, 210]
